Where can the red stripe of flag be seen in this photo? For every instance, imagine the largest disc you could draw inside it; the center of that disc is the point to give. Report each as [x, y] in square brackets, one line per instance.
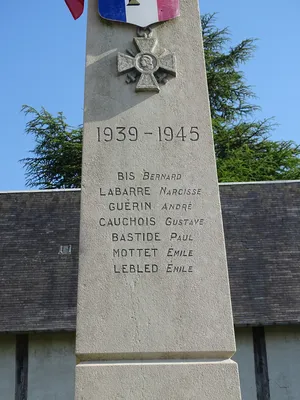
[76, 7]
[167, 9]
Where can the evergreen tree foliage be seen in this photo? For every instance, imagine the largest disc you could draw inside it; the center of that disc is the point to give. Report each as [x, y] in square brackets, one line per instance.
[56, 161]
[244, 148]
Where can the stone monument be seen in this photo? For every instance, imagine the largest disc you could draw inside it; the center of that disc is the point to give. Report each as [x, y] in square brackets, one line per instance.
[154, 315]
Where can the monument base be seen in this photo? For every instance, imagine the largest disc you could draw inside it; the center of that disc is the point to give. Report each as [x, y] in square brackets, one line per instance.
[153, 380]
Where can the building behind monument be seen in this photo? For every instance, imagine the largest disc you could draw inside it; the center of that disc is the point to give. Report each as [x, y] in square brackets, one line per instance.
[39, 261]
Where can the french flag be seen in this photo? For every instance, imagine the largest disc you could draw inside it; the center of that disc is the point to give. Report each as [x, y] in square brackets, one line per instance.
[76, 7]
[139, 12]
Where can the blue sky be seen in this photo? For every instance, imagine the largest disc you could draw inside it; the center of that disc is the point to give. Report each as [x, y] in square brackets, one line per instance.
[42, 64]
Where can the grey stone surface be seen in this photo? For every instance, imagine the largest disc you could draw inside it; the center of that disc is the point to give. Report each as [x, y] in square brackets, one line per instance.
[153, 381]
[155, 294]
[153, 280]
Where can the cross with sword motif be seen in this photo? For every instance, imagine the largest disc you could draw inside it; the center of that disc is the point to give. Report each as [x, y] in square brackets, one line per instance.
[148, 67]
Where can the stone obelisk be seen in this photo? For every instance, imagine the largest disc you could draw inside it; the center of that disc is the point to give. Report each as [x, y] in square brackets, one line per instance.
[154, 313]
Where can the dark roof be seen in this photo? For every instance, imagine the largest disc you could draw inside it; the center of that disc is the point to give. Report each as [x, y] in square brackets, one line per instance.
[38, 269]
[262, 233]
[38, 285]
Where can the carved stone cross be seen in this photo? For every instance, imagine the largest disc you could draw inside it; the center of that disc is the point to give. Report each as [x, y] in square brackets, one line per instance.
[150, 67]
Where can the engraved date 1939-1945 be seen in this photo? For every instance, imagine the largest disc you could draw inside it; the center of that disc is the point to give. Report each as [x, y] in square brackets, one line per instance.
[161, 134]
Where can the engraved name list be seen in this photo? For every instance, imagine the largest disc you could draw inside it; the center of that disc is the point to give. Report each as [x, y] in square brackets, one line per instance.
[151, 222]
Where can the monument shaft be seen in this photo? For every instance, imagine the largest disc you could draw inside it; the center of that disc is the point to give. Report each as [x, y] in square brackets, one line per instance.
[154, 313]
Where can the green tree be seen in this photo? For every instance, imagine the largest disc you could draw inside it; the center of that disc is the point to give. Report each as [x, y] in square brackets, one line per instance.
[56, 161]
[244, 148]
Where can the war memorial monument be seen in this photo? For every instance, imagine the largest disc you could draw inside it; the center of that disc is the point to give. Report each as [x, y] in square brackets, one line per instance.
[154, 319]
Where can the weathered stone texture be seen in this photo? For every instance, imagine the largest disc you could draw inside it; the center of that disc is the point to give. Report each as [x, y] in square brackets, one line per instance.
[159, 312]
[152, 381]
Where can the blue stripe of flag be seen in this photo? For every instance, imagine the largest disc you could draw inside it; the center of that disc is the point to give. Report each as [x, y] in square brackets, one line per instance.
[112, 9]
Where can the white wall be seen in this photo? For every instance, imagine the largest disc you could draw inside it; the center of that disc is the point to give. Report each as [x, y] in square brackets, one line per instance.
[283, 352]
[7, 367]
[245, 359]
[51, 367]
